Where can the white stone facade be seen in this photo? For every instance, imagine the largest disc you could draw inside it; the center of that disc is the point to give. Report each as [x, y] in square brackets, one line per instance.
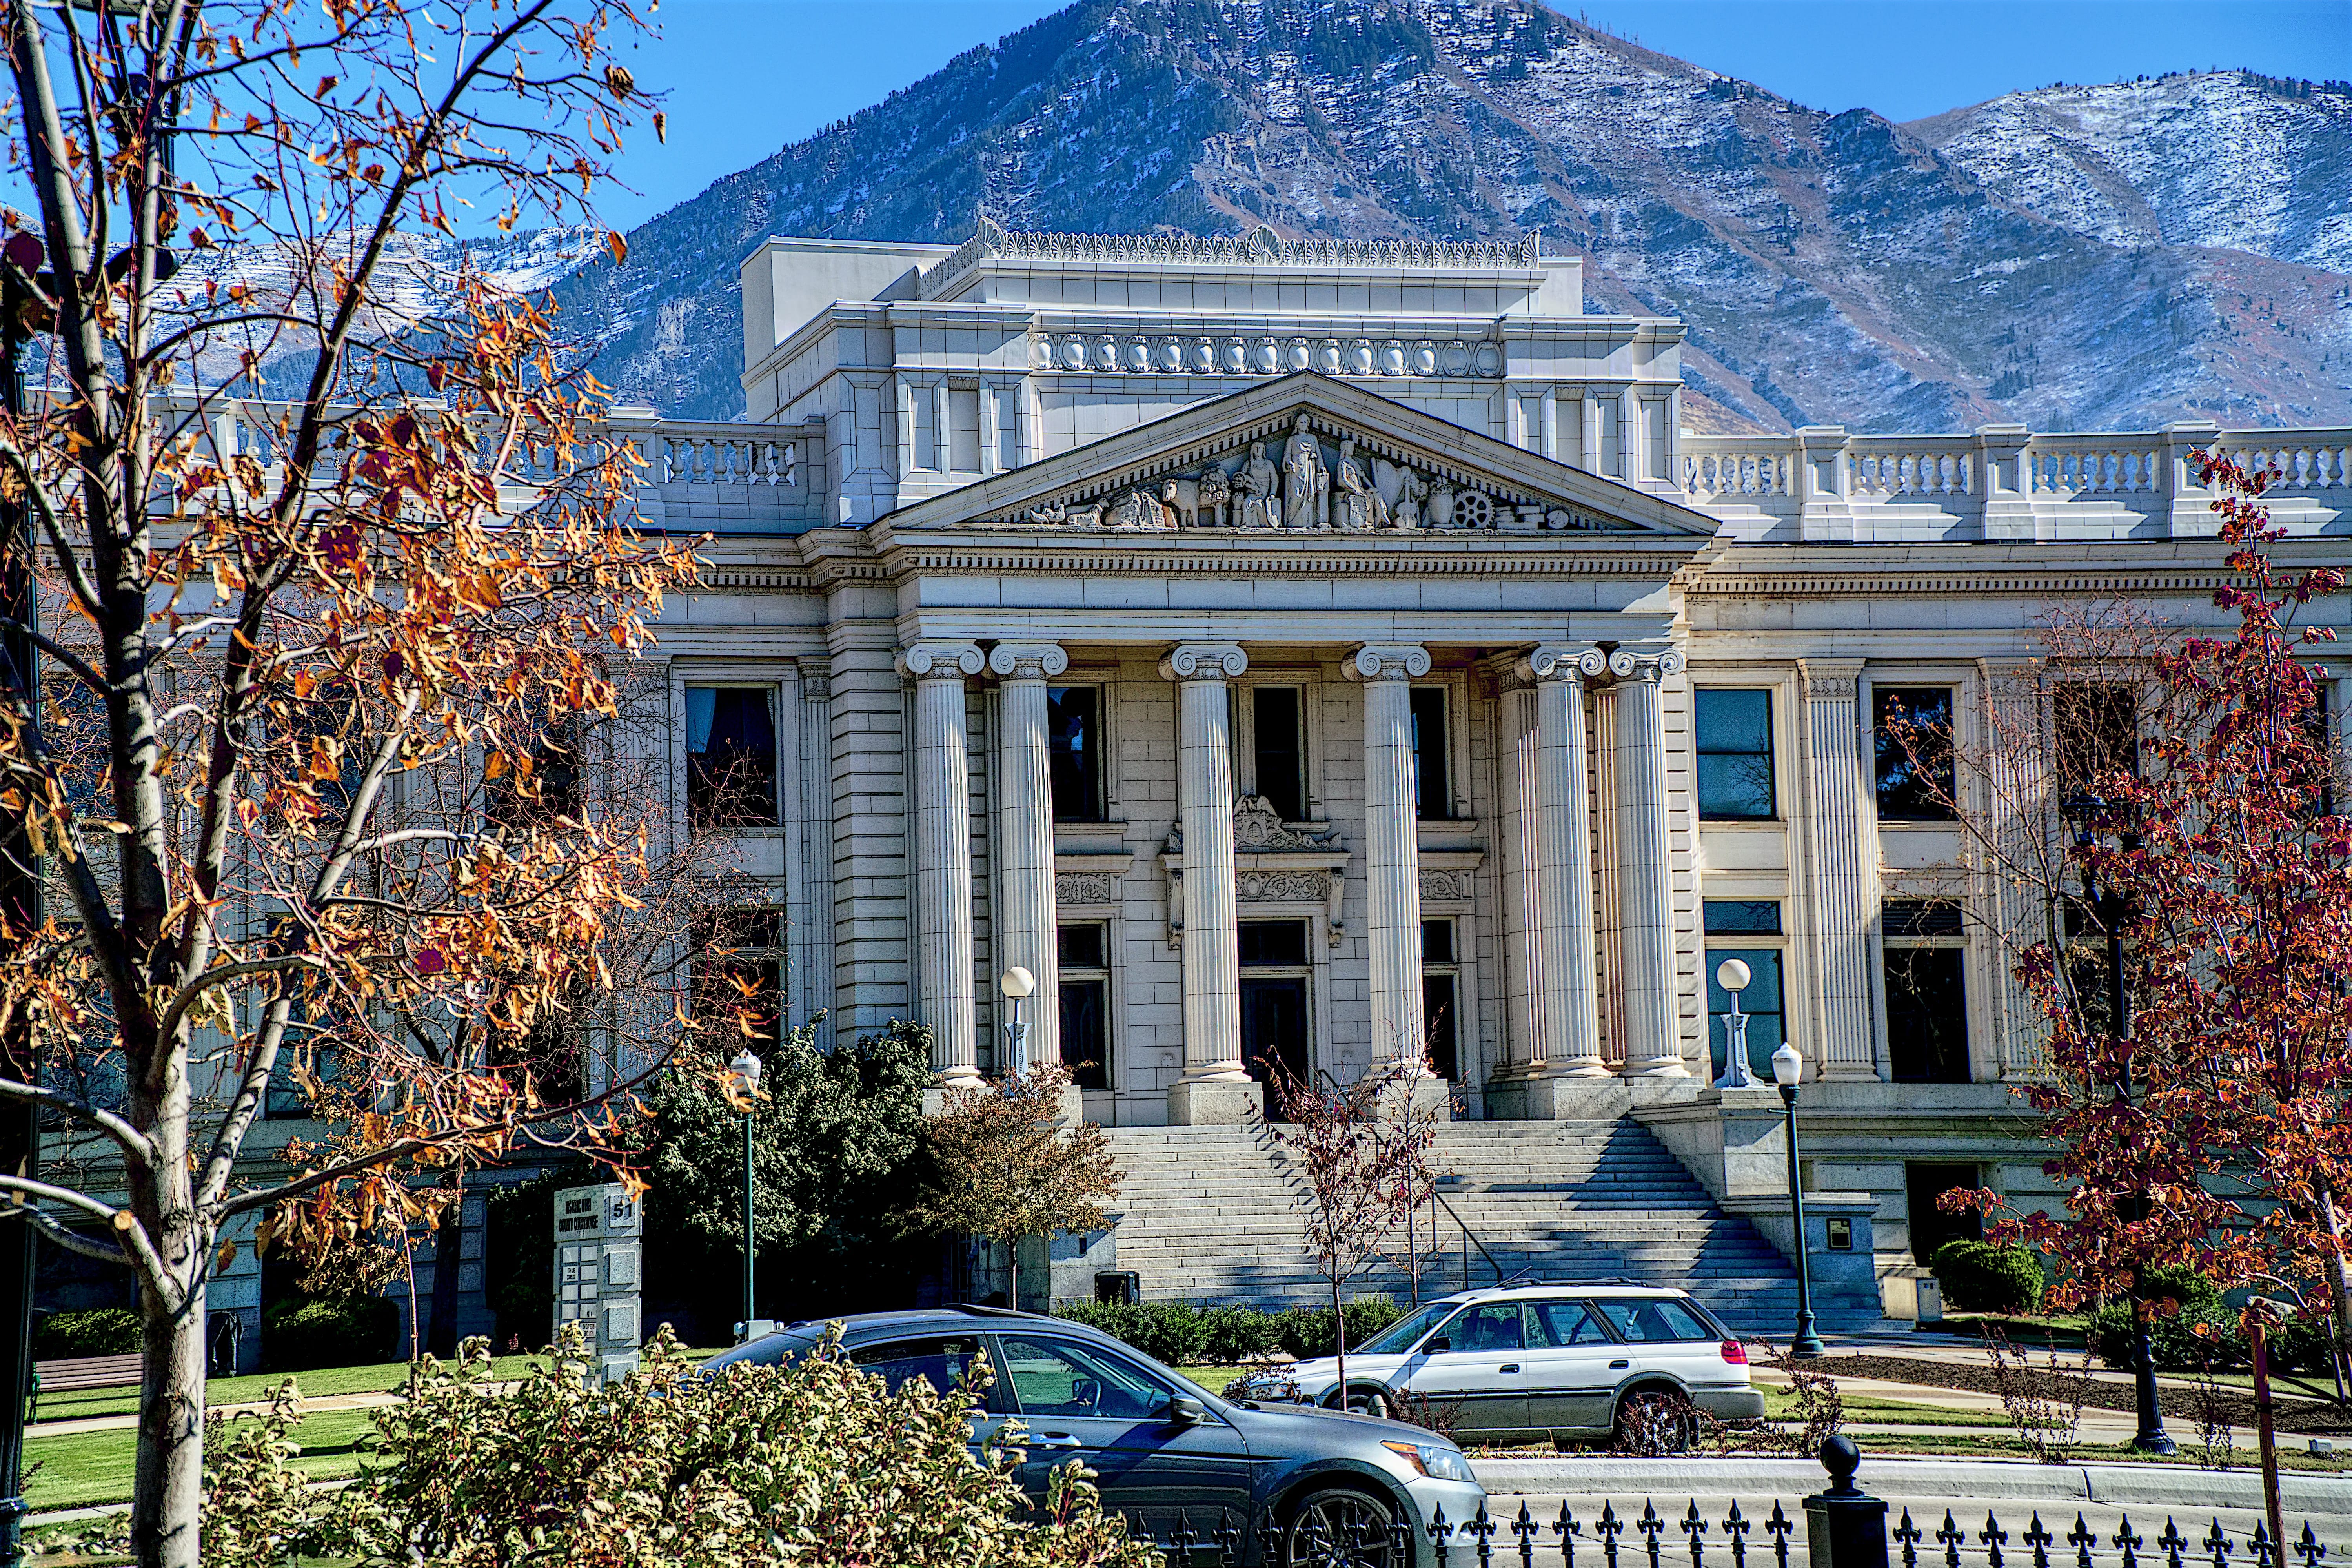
[1451, 523]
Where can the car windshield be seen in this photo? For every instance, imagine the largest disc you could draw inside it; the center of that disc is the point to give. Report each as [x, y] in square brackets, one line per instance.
[1401, 1335]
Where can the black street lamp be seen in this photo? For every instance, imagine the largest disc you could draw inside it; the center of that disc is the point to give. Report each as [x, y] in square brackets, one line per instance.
[2108, 908]
[1788, 1069]
[745, 1070]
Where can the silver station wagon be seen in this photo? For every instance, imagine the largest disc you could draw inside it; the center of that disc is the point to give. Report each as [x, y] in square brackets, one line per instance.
[1525, 1362]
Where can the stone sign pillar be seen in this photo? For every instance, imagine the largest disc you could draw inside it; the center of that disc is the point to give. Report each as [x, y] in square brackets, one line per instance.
[599, 1272]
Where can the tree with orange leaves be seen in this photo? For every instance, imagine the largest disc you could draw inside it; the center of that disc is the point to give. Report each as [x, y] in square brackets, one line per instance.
[311, 790]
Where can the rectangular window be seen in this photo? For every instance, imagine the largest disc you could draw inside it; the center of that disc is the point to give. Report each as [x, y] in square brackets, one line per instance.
[1273, 945]
[1926, 991]
[1735, 752]
[1441, 979]
[1083, 958]
[1279, 749]
[310, 1066]
[1432, 793]
[1924, 1184]
[739, 980]
[2097, 726]
[927, 440]
[1728, 920]
[730, 757]
[549, 788]
[1073, 752]
[1917, 782]
[963, 429]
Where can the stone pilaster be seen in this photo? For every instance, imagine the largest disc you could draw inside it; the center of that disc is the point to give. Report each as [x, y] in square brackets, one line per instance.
[1568, 1002]
[1391, 850]
[1841, 866]
[1215, 1087]
[944, 855]
[1024, 832]
[1645, 888]
[2017, 768]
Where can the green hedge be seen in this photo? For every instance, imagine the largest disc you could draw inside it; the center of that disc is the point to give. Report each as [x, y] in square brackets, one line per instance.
[1181, 1334]
[312, 1331]
[97, 1330]
[2300, 1344]
[1979, 1277]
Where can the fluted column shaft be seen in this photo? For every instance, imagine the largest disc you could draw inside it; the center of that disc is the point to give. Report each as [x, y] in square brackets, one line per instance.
[943, 854]
[1843, 865]
[1568, 1001]
[1203, 673]
[1025, 833]
[1391, 847]
[1646, 890]
[1523, 1038]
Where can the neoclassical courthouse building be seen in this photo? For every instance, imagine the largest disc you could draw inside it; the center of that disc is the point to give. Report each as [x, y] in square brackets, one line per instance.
[1313, 653]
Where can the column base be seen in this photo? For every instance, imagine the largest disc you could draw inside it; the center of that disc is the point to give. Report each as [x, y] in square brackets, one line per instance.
[1421, 1096]
[1214, 1102]
[935, 1096]
[1559, 1096]
[1658, 1067]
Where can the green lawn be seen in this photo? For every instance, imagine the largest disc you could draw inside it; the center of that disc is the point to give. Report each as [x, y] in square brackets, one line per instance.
[82, 1468]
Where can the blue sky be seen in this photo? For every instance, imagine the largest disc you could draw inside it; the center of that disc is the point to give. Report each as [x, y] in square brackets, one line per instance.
[746, 76]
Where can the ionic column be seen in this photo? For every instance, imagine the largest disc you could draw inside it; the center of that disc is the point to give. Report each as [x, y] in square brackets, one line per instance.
[1523, 1038]
[1024, 832]
[1645, 888]
[1205, 802]
[1391, 847]
[1841, 865]
[943, 854]
[1569, 999]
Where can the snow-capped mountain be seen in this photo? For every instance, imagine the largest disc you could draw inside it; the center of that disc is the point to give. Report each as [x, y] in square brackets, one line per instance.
[2075, 257]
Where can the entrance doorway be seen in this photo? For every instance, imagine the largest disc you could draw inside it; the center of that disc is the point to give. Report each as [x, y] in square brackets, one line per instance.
[1274, 1015]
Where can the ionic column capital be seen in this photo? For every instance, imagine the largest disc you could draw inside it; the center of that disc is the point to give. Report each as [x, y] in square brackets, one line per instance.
[1561, 661]
[1027, 660]
[1218, 661]
[1645, 664]
[940, 660]
[1388, 661]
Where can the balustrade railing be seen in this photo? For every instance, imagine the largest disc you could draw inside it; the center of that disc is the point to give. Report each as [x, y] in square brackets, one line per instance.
[1901, 473]
[727, 455]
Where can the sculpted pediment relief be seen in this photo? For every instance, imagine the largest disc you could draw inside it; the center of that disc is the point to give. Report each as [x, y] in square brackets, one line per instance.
[1305, 472]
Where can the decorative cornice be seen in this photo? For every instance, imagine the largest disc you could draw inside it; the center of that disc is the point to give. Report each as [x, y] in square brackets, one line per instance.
[1259, 247]
[1388, 661]
[940, 660]
[1204, 661]
[2008, 583]
[1027, 661]
[1018, 557]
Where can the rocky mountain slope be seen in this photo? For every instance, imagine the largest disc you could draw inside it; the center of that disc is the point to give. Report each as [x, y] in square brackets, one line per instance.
[2077, 257]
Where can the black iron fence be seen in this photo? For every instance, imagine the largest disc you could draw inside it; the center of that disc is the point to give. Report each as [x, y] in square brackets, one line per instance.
[1842, 1527]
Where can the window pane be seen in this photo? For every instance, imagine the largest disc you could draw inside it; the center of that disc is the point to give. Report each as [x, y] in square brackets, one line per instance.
[1922, 917]
[1913, 743]
[738, 977]
[1086, 1032]
[1437, 941]
[1654, 1322]
[1273, 942]
[1433, 800]
[1927, 1015]
[1734, 752]
[939, 1362]
[1924, 1183]
[1280, 752]
[1080, 947]
[1483, 1329]
[730, 758]
[1745, 916]
[2097, 726]
[1054, 1377]
[1073, 752]
[1563, 1324]
[1437, 1020]
[1762, 1002]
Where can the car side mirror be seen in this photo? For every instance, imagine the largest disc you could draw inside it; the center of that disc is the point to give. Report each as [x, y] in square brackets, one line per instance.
[1185, 1412]
[1440, 1343]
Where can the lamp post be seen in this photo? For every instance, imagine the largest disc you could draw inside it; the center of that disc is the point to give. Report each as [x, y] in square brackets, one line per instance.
[745, 1070]
[1016, 983]
[1733, 976]
[2108, 908]
[1788, 1070]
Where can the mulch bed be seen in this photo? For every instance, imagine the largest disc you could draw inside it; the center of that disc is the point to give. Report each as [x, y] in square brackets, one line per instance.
[2288, 1414]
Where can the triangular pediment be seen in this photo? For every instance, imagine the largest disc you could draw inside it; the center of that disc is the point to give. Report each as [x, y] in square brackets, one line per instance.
[1302, 454]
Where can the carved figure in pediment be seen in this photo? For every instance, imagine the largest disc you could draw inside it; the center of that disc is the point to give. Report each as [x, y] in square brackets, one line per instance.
[1359, 504]
[1257, 495]
[1306, 480]
[1412, 492]
[1258, 827]
[1190, 498]
[1139, 508]
[1438, 511]
[1063, 514]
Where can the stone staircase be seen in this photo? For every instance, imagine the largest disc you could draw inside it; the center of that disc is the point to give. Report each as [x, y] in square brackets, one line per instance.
[1213, 1214]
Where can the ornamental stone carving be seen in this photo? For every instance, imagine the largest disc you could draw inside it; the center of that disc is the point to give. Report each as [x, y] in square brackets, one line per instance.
[1027, 661]
[1629, 664]
[1283, 887]
[1085, 888]
[1204, 661]
[939, 658]
[1388, 661]
[1444, 883]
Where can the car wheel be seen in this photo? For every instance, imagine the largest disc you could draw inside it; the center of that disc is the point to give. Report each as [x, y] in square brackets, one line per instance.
[1655, 1422]
[1370, 1401]
[1339, 1527]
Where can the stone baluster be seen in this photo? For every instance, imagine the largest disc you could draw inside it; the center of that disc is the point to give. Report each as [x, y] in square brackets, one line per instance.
[1215, 1086]
[943, 854]
[1025, 833]
[1842, 864]
[1645, 886]
[1569, 1000]
[1392, 849]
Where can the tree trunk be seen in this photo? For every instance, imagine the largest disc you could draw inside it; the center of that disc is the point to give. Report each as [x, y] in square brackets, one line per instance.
[1013, 1275]
[167, 1491]
[1339, 1335]
[2341, 1278]
[448, 1248]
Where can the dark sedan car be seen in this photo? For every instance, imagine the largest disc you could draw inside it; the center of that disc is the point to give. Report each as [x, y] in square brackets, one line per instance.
[1162, 1445]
